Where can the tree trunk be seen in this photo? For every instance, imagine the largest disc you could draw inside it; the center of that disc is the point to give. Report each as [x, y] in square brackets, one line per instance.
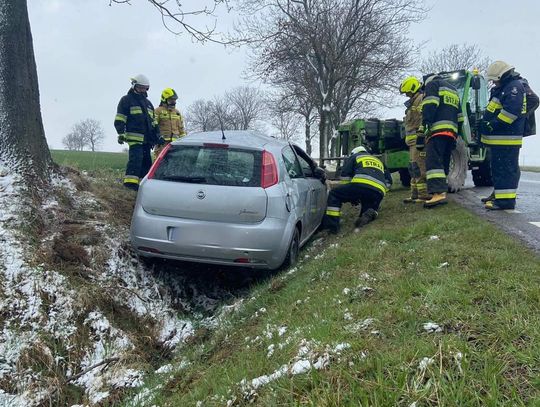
[23, 147]
[308, 136]
[324, 125]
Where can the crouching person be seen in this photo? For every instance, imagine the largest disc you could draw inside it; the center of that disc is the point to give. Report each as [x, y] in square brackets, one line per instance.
[365, 181]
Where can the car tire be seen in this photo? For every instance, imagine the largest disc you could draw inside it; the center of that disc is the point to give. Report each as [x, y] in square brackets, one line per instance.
[459, 161]
[293, 251]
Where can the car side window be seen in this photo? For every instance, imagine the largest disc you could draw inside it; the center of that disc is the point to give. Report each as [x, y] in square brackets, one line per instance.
[306, 168]
[305, 162]
[291, 163]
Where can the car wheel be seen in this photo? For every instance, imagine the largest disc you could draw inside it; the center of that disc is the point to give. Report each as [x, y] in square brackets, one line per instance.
[293, 252]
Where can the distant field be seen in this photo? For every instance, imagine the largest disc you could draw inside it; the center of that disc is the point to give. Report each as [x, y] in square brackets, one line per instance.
[528, 168]
[90, 161]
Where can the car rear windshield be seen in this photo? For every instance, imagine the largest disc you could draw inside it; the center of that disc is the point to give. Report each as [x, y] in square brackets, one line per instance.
[211, 165]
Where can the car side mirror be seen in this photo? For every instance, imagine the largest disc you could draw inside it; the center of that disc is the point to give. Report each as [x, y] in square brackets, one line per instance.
[320, 174]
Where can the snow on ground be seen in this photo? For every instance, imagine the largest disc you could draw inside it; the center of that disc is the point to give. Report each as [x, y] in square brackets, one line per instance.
[310, 355]
[40, 310]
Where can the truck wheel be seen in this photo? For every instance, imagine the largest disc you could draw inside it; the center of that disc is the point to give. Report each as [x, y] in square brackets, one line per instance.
[459, 161]
[482, 174]
[405, 177]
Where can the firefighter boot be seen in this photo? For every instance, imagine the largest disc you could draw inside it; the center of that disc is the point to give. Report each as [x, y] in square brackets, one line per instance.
[414, 195]
[368, 216]
[436, 199]
[411, 199]
[491, 197]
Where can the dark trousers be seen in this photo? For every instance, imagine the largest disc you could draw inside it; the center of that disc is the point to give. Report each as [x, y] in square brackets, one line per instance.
[505, 173]
[438, 153]
[139, 163]
[354, 193]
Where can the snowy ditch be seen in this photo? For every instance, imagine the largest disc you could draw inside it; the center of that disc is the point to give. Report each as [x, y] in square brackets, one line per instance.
[51, 336]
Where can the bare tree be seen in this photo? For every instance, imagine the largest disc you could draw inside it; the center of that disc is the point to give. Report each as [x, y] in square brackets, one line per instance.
[347, 48]
[454, 57]
[247, 104]
[238, 109]
[178, 19]
[88, 132]
[92, 131]
[200, 116]
[283, 117]
[73, 141]
[20, 112]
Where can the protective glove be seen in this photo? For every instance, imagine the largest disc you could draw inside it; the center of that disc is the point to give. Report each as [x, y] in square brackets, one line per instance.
[160, 141]
[121, 138]
[420, 141]
[423, 135]
[486, 127]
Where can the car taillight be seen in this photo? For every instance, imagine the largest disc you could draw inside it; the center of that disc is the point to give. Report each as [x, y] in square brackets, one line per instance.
[158, 161]
[269, 173]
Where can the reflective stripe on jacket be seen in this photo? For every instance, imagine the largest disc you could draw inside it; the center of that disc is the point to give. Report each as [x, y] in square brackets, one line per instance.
[413, 118]
[366, 170]
[506, 113]
[440, 107]
[135, 119]
[171, 123]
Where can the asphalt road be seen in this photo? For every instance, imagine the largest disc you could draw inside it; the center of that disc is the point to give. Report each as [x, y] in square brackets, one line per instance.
[523, 222]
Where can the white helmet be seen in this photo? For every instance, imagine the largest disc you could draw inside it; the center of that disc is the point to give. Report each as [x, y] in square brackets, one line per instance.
[140, 80]
[497, 70]
[359, 149]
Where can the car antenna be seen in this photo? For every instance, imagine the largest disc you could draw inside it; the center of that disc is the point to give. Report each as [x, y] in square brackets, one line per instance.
[223, 138]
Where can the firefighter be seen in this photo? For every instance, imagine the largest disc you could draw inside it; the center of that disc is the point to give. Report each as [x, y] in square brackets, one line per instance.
[365, 181]
[412, 88]
[440, 110]
[136, 126]
[502, 130]
[169, 119]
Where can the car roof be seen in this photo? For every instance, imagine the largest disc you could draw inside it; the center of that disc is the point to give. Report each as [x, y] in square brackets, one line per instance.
[243, 138]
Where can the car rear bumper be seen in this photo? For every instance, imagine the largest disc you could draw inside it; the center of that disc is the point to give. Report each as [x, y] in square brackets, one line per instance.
[260, 245]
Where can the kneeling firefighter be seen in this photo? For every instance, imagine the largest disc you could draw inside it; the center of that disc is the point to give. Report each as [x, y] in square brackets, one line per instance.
[440, 111]
[365, 181]
[412, 88]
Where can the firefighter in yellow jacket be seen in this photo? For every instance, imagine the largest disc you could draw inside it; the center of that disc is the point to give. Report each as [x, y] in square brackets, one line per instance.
[411, 87]
[169, 119]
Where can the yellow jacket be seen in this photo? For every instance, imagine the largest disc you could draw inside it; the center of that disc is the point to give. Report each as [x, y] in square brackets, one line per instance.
[413, 118]
[171, 123]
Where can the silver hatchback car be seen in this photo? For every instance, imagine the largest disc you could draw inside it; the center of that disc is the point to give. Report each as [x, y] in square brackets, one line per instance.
[232, 198]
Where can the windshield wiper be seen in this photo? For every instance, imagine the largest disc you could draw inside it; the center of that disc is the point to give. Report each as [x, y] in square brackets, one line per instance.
[194, 180]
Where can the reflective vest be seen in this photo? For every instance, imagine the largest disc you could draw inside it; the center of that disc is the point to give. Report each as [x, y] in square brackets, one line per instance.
[366, 170]
[506, 113]
[135, 119]
[171, 123]
[440, 108]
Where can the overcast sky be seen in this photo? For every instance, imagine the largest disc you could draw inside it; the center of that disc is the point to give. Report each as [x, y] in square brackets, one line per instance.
[86, 52]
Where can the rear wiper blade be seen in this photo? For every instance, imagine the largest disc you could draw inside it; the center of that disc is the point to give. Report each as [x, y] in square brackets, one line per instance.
[195, 180]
